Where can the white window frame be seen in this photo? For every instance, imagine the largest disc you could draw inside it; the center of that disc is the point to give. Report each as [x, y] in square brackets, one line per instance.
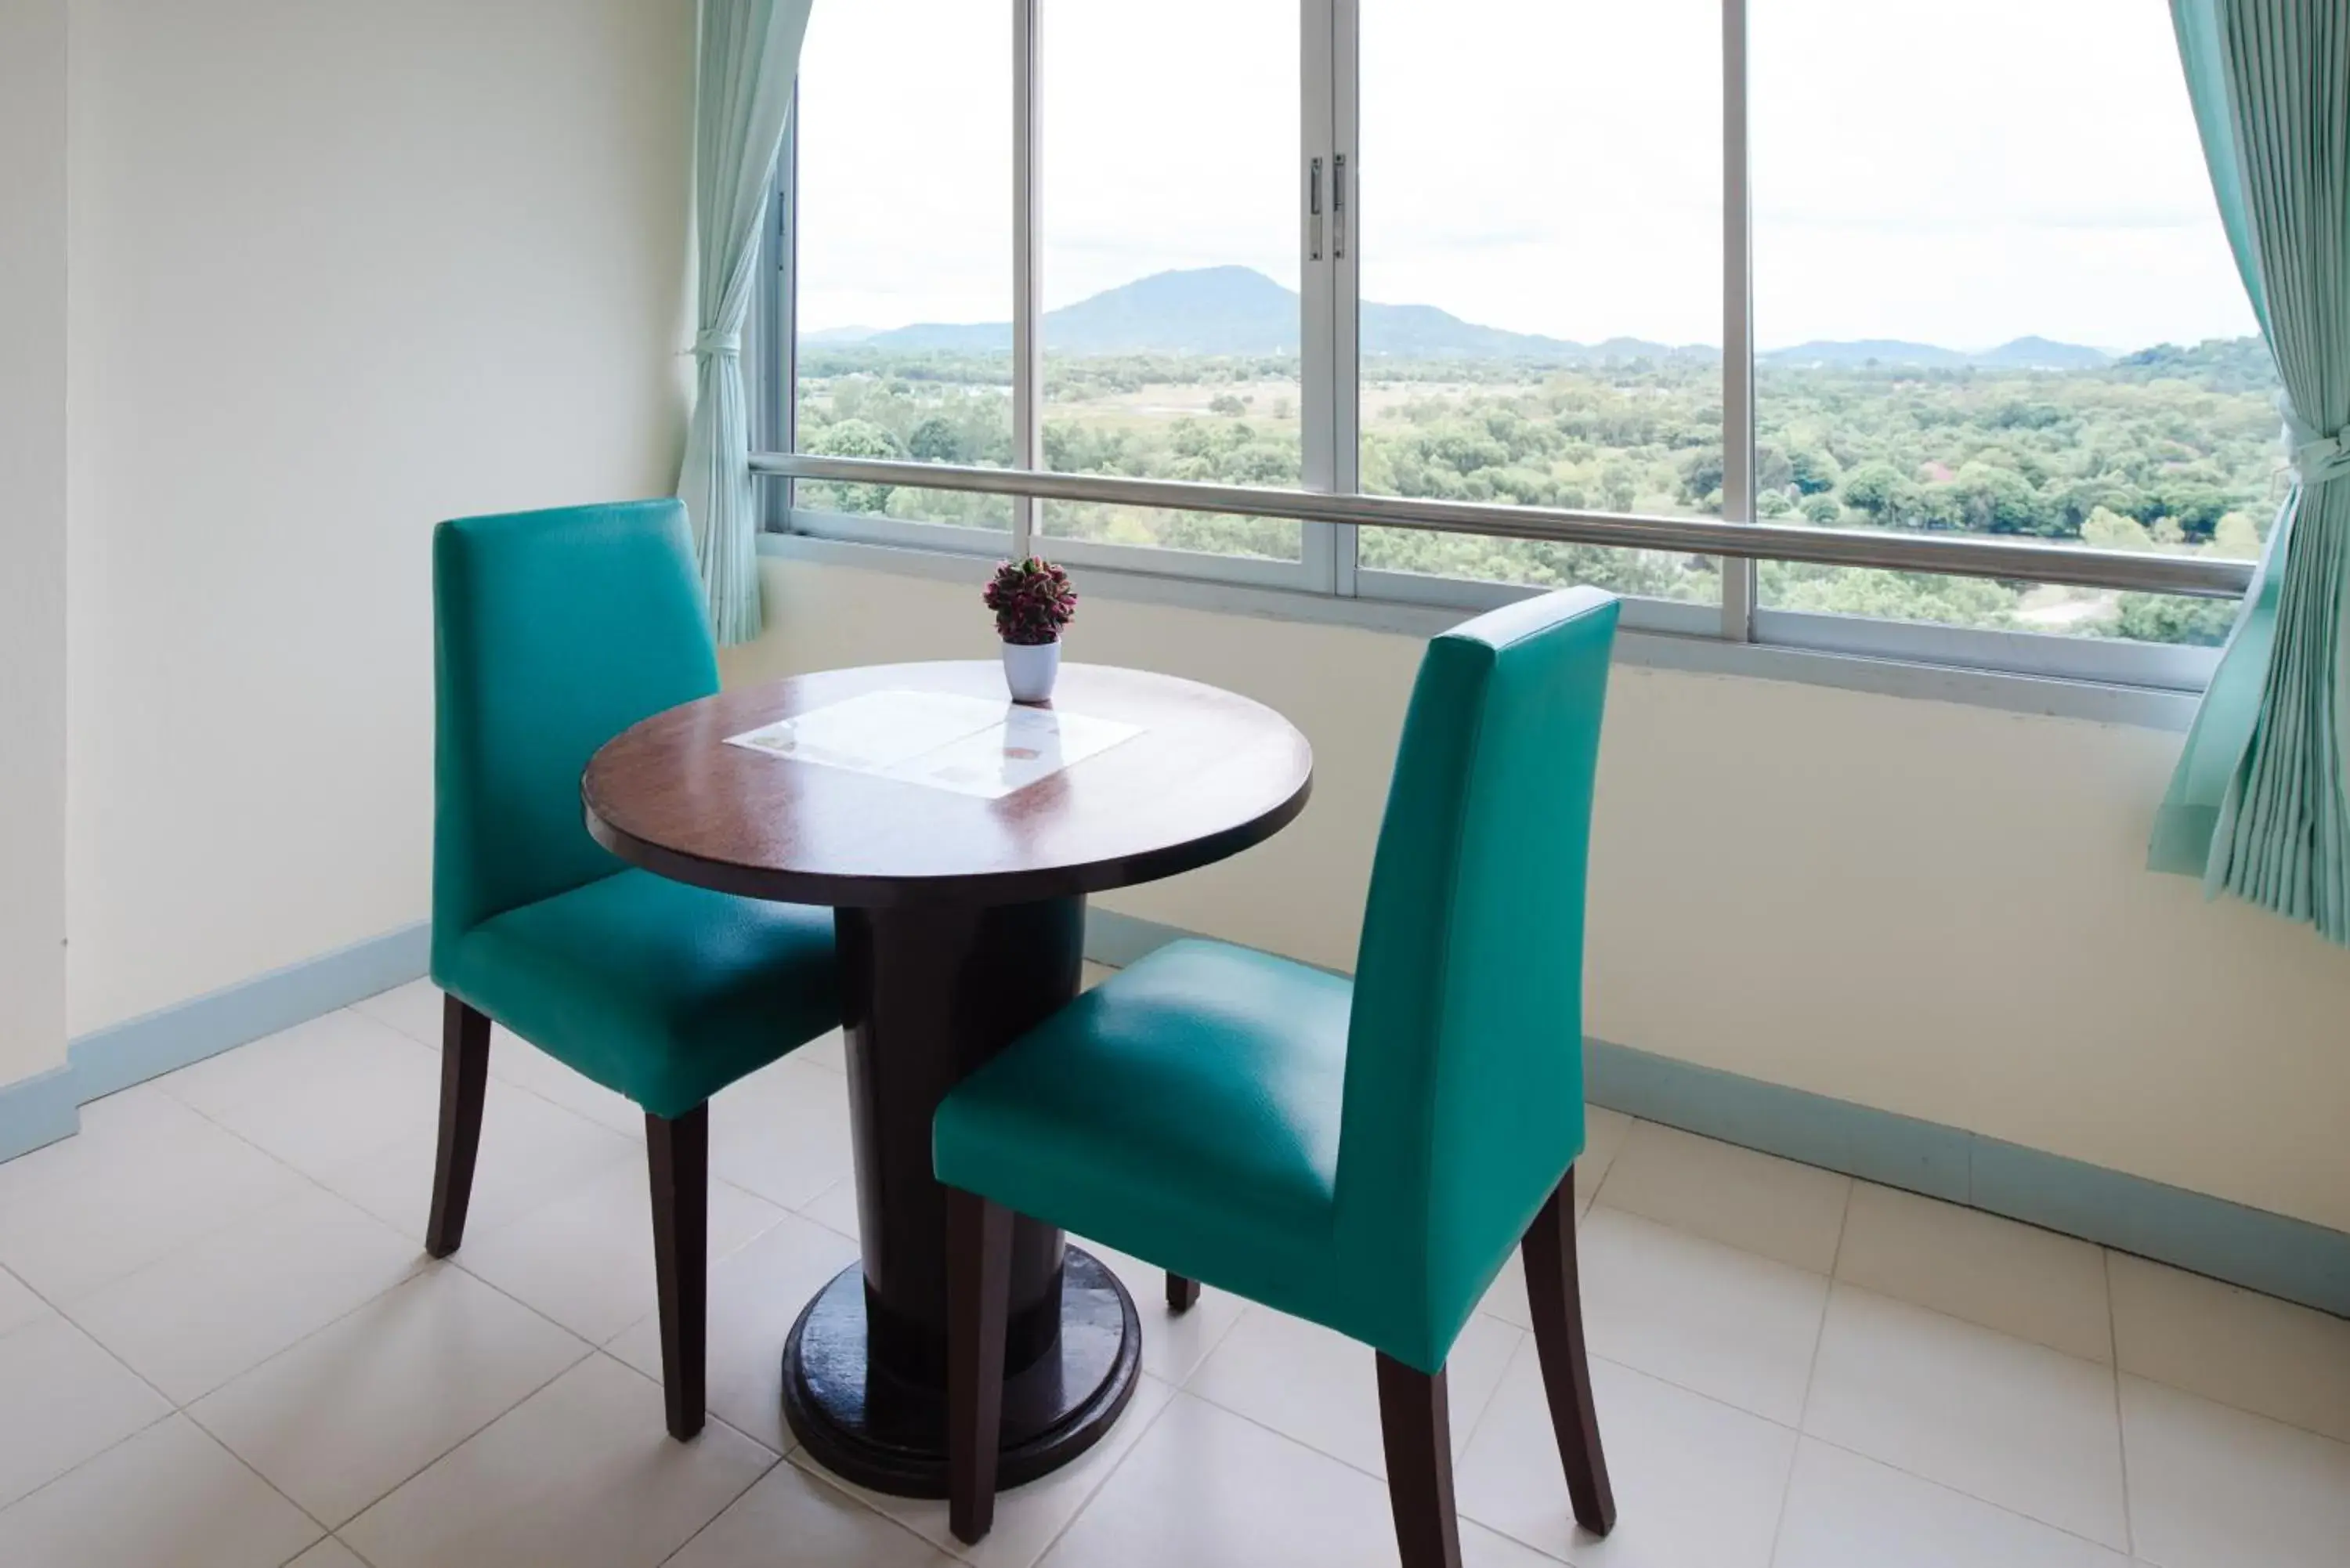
[1329, 368]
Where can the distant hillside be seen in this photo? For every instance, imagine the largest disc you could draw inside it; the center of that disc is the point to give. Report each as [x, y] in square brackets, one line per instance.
[2022, 354]
[2223, 364]
[1237, 310]
[2040, 354]
[1863, 351]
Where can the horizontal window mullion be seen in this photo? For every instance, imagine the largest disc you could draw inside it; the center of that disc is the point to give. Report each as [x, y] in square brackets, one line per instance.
[1948, 554]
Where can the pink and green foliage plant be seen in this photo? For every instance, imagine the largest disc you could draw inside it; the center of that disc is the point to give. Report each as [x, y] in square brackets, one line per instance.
[1032, 600]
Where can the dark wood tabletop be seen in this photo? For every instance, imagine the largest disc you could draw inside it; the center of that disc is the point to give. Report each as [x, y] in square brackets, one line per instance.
[1211, 774]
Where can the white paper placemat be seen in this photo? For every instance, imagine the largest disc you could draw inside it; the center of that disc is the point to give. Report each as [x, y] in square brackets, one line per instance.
[970, 745]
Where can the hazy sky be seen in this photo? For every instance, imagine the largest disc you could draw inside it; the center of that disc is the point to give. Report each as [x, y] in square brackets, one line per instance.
[1960, 174]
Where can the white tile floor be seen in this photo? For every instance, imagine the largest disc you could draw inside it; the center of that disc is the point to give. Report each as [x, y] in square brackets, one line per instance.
[221, 1347]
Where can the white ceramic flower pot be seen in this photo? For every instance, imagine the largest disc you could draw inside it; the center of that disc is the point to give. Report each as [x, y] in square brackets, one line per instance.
[1029, 668]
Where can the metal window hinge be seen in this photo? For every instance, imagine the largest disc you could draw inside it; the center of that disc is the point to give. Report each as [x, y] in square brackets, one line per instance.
[1313, 210]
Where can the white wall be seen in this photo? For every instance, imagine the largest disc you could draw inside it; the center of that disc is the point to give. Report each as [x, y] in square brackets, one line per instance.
[1930, 908]
[339, 271]
[32, 535]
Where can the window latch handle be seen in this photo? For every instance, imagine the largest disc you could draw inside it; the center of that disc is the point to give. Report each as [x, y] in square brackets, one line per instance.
[1313, 210]
[1339, 206]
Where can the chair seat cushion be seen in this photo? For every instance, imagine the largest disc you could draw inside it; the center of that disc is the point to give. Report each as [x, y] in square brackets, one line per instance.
[1185, 1110]
[663, 992]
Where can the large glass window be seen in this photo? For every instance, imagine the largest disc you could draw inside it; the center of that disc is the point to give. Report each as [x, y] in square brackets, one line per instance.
[1544, 256]
[1540, 228]
[902, 269]
[1991, 295]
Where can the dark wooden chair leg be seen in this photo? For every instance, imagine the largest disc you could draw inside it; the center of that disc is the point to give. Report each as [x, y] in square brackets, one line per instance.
[1182, 1294]
[979, 1283]
[1556, 1301]
[1416, 1423]
[677, 1153]
[464, 1085]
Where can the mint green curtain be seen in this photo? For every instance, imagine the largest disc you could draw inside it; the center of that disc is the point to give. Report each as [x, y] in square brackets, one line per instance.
[2258, 805]
[750, 52]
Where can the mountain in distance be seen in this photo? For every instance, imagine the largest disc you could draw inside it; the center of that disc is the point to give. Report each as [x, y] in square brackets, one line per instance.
[2022, 354]
[2041, 354]
[1864, 351]
[1237, 310]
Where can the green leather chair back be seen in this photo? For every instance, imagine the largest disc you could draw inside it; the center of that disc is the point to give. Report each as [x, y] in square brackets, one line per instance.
[553, 632]
[1464, 1068]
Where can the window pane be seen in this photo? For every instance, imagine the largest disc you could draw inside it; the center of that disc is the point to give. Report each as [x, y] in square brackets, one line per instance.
[1540, 230]
[1992, 295]
[1169, 262]
[904, 276]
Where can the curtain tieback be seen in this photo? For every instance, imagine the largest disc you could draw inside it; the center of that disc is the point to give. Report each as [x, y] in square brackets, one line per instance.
[722, 345]
[2317, 457]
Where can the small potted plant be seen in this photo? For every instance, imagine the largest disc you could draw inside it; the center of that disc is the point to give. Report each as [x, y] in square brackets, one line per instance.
[1032, 600]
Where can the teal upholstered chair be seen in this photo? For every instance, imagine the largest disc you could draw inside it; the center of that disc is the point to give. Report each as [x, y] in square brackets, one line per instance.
[1362, 1154]
[552, 633]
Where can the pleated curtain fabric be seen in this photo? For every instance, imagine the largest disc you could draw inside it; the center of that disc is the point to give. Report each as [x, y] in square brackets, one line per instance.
[749, 54]
[2258, 805]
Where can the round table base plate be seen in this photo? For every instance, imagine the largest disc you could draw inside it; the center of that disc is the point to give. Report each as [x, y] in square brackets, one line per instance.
[889, 1433]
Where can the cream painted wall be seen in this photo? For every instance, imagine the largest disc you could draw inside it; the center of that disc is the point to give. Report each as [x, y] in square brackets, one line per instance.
[339, 271]
[32, 535]
[1930, 908]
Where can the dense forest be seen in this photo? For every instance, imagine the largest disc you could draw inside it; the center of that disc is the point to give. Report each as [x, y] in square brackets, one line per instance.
[2169, 449]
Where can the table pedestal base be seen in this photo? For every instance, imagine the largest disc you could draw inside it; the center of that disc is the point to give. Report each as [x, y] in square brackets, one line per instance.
[889, 1433]
[929, 993]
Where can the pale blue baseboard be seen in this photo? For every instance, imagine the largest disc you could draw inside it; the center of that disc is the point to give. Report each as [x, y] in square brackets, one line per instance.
[38, 1110]
[2272, 1253]
[45, 1108]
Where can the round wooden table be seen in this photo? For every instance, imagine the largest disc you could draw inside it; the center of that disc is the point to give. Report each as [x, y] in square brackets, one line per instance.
[961, 922]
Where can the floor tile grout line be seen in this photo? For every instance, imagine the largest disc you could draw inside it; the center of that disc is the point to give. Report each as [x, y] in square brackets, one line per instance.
[414, 1273]
[1801, 1435]
[1466, 1438]
[1217, 1343]
[588, 1350]
[1811, 1373]
[1919, 1475]
[202, 1430]
[209, 1230]
[364, 1559]
[822, 1478]
[325, 1529]
[78, 1465]
[1262, 1425]
[171, 1406]
[959, 1551]
[708, 1415]
[1675, 1383]
[1094, 1495]
[1994, 1504]
[2121, 1427]
[1521, 1336]
[416, 1270]
[1614, 1160]
[433, 1047]
[728, 1505]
